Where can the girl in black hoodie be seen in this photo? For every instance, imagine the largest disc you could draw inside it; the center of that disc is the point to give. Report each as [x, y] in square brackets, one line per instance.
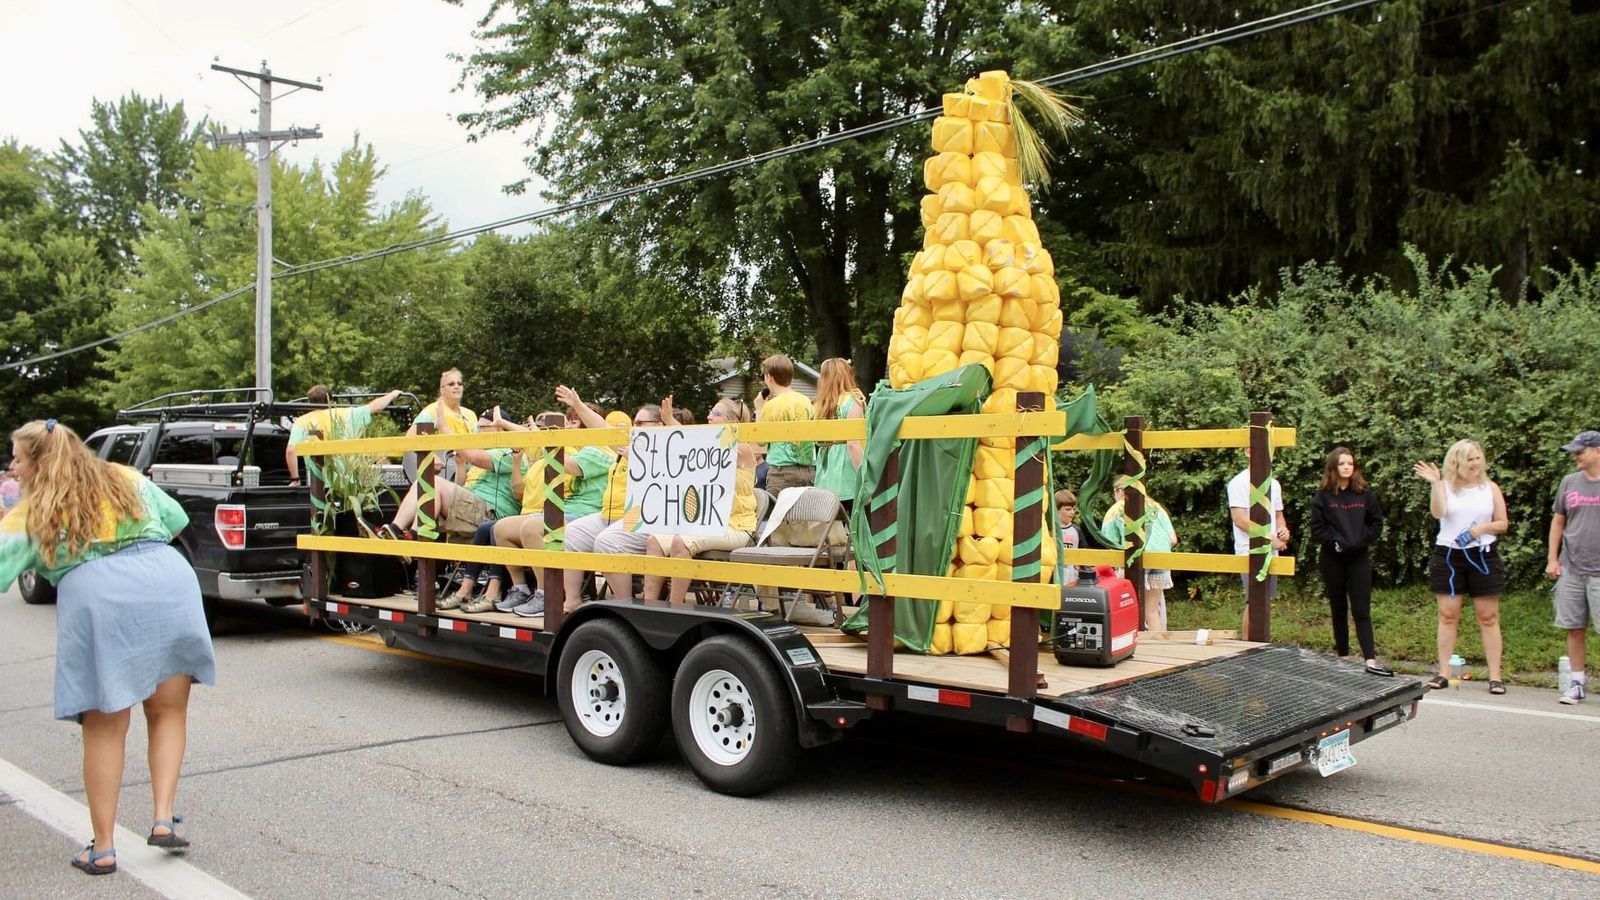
[1346, 519]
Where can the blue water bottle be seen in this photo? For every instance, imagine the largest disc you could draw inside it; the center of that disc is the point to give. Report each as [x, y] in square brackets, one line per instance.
[1457, 665]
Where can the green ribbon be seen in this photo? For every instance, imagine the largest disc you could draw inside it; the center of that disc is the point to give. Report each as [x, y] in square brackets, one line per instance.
[1259, 494]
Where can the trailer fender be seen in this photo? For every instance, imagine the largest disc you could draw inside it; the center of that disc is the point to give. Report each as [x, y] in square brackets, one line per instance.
[672, 630]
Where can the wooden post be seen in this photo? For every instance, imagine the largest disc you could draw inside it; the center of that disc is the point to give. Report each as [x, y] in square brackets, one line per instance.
[555, 588]
[1257, 606]
[1027, 530]
[427, 569]
[880, 610]
[1132, 509]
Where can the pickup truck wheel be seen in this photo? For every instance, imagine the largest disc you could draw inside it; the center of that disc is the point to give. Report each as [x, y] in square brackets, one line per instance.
[613, 692]
[35, 588]
[733, 718]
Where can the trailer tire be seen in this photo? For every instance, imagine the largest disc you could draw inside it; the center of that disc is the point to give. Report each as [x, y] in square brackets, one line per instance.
[733, 718]
[612, 692]
[35, 589]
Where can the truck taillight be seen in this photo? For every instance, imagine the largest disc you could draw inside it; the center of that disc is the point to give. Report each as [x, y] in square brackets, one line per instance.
[229, 520]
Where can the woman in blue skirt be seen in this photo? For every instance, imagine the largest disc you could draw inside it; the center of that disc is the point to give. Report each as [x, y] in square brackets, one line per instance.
[130, 629]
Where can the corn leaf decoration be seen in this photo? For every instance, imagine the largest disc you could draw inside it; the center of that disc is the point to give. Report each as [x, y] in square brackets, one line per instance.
[1055, 114]
[982, 291]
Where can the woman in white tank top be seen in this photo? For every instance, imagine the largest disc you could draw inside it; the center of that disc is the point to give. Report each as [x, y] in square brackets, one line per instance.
[1465, 562]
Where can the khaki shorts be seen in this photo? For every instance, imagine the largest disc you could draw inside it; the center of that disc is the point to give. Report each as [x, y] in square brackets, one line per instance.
[698, 544]
[467, 511]
[1577, 597]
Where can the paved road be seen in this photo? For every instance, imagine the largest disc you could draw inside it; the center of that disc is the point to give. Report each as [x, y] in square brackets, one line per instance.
[321, 767]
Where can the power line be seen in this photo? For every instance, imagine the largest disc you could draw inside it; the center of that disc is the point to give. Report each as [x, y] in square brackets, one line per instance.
[1310, 13]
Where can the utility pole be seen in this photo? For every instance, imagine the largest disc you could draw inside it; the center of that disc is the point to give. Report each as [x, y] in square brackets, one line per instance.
[266, 141]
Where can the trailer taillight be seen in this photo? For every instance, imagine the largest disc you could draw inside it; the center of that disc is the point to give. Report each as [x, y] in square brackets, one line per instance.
[229, 521]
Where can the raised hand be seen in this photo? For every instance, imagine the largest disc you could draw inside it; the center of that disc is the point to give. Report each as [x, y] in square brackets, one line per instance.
[568, 397]
[1427, 471]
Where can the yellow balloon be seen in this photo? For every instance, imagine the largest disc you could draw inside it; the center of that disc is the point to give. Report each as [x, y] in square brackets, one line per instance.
[952, 134]
[985, 309]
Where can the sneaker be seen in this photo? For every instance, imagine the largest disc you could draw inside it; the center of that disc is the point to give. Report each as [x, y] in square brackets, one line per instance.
[514, 598]
[534, 606]
[451, 600]
[1575, 693]
[480, 604]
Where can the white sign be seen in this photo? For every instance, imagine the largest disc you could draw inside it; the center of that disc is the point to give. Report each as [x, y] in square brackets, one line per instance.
[680, 480]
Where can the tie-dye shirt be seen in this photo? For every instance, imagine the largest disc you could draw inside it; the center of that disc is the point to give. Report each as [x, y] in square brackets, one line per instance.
[160, 520]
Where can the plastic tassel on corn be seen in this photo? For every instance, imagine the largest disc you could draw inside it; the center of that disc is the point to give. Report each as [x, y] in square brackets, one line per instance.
[983, 290]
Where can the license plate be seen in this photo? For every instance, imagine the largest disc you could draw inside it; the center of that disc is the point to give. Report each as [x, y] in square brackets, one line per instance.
[1385, 720]
[1286, 761]
[1333, 754]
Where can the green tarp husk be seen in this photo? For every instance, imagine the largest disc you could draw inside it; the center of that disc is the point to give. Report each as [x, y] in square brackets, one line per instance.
[931, 491]
[932, 488]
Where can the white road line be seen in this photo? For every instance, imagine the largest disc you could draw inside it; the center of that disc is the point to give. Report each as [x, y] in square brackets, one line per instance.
[160, 871]
[1544, 714]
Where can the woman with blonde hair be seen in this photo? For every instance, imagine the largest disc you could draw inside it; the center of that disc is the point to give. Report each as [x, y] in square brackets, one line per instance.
[741, 521]
[1472, 514]
[130, 628]
[838, 397]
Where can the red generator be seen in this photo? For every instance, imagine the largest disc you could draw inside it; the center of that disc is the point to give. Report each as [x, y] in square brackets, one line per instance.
[1097, 624]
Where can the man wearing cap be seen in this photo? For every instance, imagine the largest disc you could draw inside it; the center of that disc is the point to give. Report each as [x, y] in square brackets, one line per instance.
[1574, 557]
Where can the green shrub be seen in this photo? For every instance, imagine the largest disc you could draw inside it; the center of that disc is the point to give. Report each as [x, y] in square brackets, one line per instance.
[1396, 374]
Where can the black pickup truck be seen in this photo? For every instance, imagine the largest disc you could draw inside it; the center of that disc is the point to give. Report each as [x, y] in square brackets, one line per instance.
[223, 460]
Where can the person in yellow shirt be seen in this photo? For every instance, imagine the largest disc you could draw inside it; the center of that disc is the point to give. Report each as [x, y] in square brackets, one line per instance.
[448, 416]
[789, 463]
[328, 424]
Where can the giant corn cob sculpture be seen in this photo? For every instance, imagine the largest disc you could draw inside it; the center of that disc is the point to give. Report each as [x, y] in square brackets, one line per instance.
[983, 290]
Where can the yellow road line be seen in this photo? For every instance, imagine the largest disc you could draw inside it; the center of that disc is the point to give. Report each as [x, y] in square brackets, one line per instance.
[1420, 837]
[1393, 832]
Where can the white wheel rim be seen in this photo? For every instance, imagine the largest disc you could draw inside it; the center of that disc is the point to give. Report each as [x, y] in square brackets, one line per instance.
[722, 717]
[598, 693]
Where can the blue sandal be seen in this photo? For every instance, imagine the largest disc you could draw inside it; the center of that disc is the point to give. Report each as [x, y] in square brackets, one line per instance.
[90, 863]
[172, 840]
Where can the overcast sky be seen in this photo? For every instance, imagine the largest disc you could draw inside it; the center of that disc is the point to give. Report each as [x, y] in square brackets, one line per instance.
[383, 64]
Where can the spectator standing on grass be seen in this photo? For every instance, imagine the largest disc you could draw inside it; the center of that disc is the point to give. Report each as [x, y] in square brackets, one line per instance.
[1574, 558]
[1159, 537]
[1465, 561]
[1346, 519]
[789, 463]
[1067, 513]
[1239, 508]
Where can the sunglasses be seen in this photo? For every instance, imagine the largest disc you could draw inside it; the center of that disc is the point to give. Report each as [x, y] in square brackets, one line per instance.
[647, 421]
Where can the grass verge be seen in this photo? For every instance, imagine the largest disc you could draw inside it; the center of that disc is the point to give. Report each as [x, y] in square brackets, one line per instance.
[1404, 625]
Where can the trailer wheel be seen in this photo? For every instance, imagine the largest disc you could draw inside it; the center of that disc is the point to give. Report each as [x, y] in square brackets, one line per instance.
[612, 692]
[733, 718]
[35, 589]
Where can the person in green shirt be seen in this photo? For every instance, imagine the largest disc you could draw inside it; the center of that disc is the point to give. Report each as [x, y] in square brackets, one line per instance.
[1159, 537]
[789, 463]
[130, 627]
[838, 397]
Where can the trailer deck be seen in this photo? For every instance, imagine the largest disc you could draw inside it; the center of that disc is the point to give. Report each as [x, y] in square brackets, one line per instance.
[847, 654]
